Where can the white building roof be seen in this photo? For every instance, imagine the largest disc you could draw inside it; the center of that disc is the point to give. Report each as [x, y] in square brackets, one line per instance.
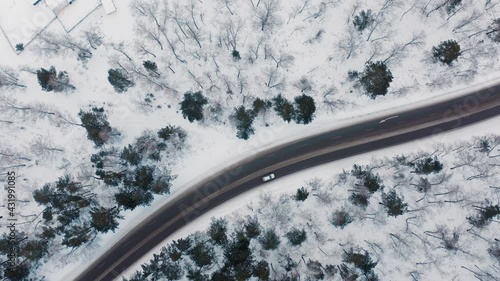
[109, 6]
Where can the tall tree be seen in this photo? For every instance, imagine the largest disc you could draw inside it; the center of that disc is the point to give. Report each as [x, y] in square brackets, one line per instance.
[119, 79]
[304, 109]
[446, 52]
[244, 119]
[192, 106]
[376, 79]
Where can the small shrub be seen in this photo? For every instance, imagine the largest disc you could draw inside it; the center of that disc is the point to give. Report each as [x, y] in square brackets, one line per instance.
[236, 55]
[302, 194]
[394, 204]
[428, 165]
[359, 199]
[20, 47]
[362, 261]
[296, 236]
[363, 20]
[341, 218]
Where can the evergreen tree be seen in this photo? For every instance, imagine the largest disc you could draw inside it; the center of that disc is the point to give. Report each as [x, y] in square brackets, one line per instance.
[341, 218]
[494, 31]
[446, 52]
[97, 125]
[239, 256]
[284, 108]
[372, 182]
[376, 79]
[129, 199]
[119, 79]
[236, 55]
[77, 235]
[484, 215]
[252, 227]
[50, 80]
[261, 270]
[301, 194]
[104, 219]
[363, 20]
[192, 106]
[217, 231]
[151, 67]
[20, 274]
[304, 109]
[34, 250]
[244, 119]
[394, 204]
[166, 133]
[428, 165]
[269, 240]
[172, 271]
[131, 155]
[362, 261]
[296, 236]
[202, 254]
[452, 6]
[20, 47]
[260, 105]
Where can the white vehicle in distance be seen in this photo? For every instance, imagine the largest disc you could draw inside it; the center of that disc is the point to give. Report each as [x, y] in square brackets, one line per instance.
[268, 177]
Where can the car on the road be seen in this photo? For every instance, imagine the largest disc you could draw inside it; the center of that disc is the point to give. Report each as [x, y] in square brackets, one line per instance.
[268, 177]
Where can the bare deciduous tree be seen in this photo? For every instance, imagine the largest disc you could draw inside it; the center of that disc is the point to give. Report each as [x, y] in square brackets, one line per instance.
[267, 17]
[350, 43]
[273, 78]
[43, 147]
[9, 78]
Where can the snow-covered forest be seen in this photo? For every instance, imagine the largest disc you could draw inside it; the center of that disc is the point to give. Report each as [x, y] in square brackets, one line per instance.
[102, 123]
[428, 215]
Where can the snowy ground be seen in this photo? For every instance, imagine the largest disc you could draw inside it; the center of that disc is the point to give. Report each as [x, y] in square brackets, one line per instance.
[213, 144]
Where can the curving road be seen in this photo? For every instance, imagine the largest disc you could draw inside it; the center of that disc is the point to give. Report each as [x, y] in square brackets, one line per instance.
[371, 135]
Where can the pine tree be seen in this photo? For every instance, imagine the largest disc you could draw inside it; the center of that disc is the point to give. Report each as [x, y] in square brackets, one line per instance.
[269, 240]
[105, 219]
[304, 109]
[244, 119]
[394, 204]
[284, 108]
[261, 270]
[217, 231]
[452, 6]
[362, 261]
[296, 236]
[428, 165]
[236, 55]
[252, 227]
[239, 256]
[494, 31]
[192, 106]
[97, 125]
[151, 67]
[20, 47]
[260, 105]
[301, 194]
[119, 80]
[363, 20]
[376, 79]
[131, 155]
[50, 80]
[202, 254]
[341, 218]
[446, 52]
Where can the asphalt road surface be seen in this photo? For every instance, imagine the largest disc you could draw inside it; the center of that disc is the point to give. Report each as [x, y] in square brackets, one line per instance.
[399, 127]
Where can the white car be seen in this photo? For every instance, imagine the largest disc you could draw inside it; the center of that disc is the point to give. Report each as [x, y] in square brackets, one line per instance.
[268, 177]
